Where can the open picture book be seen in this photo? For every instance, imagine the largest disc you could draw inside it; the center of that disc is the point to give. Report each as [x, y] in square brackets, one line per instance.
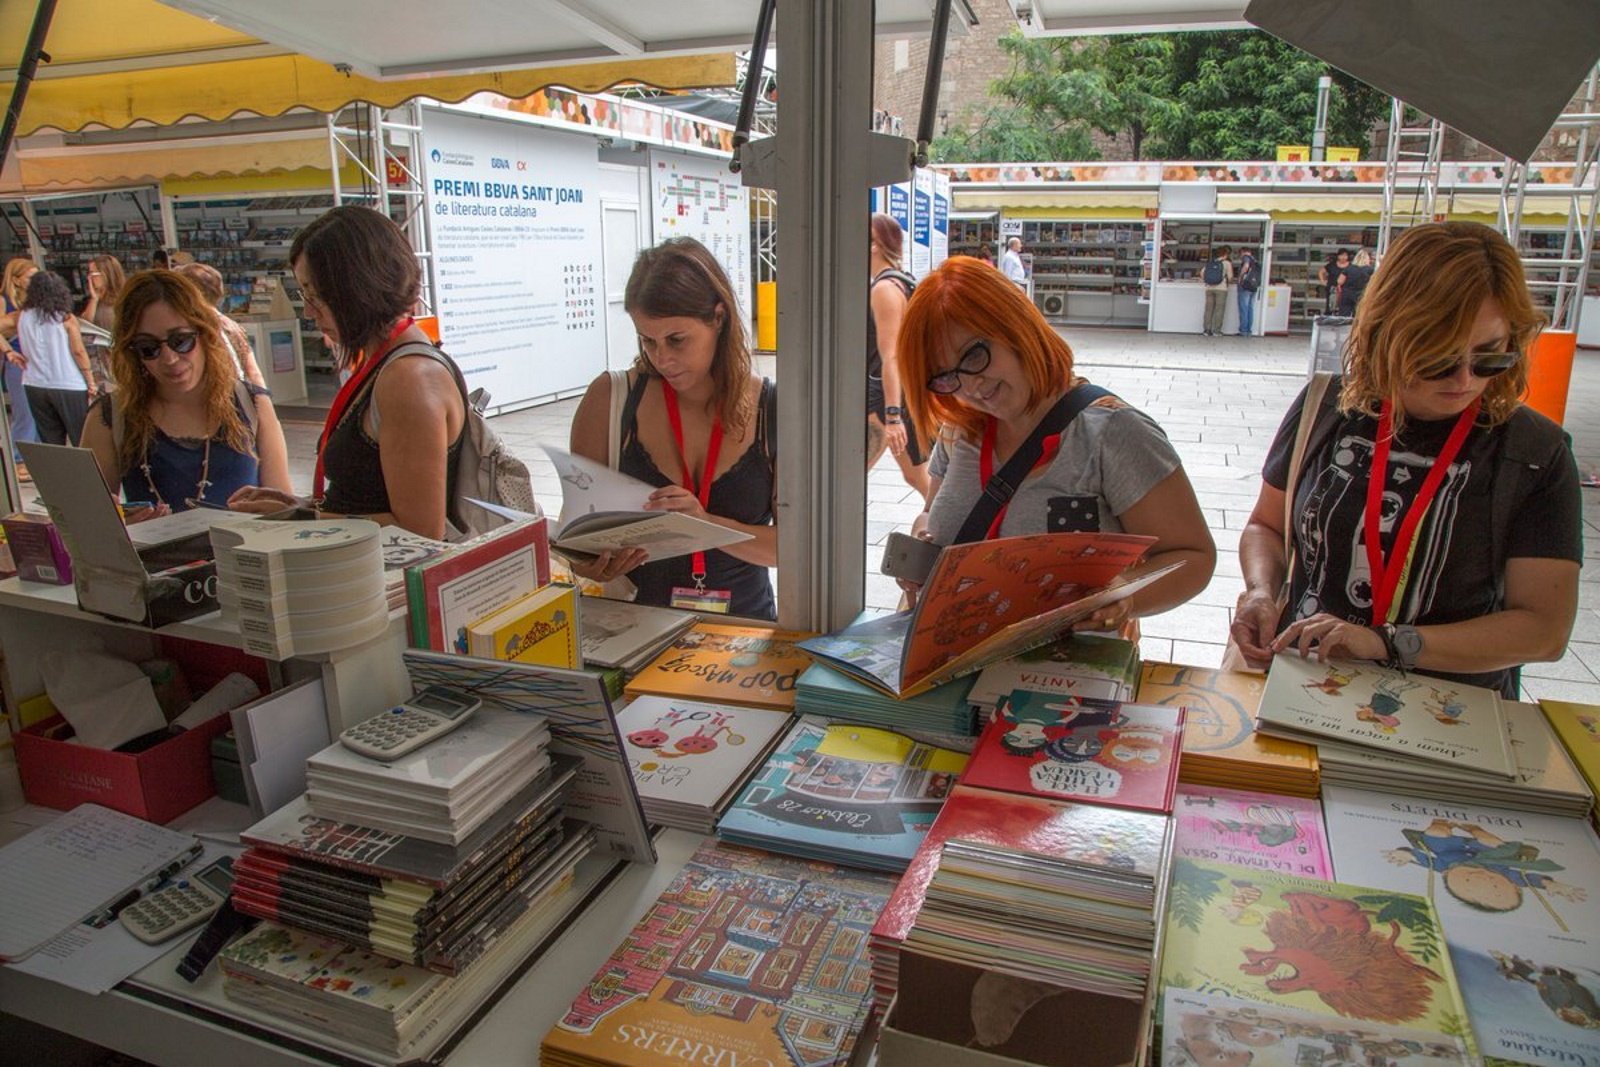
[603, 510]
[985, 601]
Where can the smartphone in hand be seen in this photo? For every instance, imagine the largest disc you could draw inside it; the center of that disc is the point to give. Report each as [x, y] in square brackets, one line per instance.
[909, 558]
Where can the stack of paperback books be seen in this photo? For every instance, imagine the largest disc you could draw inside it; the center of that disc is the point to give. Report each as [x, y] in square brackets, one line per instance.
[1076, 665]
[435, 905]
[844, 793]
[621, 635]
[689, 758]
[1578, 726]
[403, 549]
[441, 792]
[826, 692]
[1221, 746]
[297, 588]
[746, 958]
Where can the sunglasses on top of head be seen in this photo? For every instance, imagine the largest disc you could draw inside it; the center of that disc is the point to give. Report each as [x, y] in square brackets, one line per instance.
[147, 347]
[1484, 365]
[975, 360]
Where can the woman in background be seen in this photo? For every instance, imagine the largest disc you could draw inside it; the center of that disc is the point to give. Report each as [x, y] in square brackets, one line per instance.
[15, 283]
[389, 447]
[980, 361]
[56, 375]
[106, 279]
[209, 281]
[888, 424]
[697, 423]
[1353, 282]
[1461, 559]
[181, 429]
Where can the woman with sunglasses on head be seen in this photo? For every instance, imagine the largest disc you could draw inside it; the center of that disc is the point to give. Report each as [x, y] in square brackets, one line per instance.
[1460, 556]
[980, 361]
[390, 444]
[104, 282]
[181, 429]
[696, 422]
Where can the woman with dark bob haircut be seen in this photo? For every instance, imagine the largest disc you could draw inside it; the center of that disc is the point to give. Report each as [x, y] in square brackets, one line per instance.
[1438, 524]
[695, 421]
[388, 449]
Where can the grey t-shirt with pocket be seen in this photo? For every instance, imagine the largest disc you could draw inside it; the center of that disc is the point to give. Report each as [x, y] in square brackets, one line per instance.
[1111, 456]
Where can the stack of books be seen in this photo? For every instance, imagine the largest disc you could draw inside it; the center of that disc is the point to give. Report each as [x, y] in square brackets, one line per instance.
[1546, 781]
[540, 627]
[1578, 726]
[620, 635]
[753, 665]
[403, 550]
[1275, 833]
[474, 596]
[1221, 746]
[441, 792]
[298, 588]
[689, 758]
[1076, 665]
[435, 905]
[844, 793]
[744, 951]
[826, 692]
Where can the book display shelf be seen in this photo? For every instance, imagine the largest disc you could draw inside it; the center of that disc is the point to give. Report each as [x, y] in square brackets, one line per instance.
[1087, 272]
[969, 236]
[1299, 250]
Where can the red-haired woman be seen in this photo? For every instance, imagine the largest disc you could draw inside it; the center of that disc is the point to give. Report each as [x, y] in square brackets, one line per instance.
[979, 361]
[1462, 559]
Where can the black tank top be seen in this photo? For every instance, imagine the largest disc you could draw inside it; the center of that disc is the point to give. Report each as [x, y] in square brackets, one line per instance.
[353, 470]
[903, 281]
[743, 493]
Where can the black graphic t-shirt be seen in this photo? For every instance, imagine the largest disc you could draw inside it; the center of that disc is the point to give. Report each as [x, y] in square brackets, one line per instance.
[1452, 575]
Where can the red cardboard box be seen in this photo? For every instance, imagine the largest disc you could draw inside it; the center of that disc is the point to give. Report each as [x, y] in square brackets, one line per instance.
[158, 784]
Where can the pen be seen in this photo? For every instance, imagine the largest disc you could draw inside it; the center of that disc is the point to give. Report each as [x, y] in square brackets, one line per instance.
[109, 914]
[197, 502]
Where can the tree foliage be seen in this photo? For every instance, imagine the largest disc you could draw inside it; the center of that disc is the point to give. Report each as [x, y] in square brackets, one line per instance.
[1222, 95]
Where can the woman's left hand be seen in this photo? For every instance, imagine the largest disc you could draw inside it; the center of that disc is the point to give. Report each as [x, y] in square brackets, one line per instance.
[1110, 618]
[1330, 637]
[675, 498]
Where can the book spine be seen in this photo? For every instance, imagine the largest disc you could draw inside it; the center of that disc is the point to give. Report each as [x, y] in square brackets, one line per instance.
[417, 606]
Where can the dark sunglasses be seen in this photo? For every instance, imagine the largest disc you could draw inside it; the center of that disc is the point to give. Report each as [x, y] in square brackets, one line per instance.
[1484, 365]
[147, 347]
[975, 360]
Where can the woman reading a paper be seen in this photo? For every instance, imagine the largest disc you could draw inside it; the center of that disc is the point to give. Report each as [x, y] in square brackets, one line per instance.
[389, 446]
[180, 430]
[696, 422]
[981, 362]
[1461, 559]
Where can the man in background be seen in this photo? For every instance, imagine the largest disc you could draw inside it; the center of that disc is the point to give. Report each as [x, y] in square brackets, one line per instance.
[1011, 263]
[1216, 276]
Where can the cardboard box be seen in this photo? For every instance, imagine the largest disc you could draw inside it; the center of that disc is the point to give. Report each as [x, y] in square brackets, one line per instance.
[154, 572]
[158, 784]
[898, 1048]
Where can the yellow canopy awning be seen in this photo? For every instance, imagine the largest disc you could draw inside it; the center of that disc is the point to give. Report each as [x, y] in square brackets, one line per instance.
[68, 169]
[118, 62]
[1000, 199]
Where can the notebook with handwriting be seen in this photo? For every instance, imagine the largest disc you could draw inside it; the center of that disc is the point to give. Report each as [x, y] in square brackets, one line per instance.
[73, 866]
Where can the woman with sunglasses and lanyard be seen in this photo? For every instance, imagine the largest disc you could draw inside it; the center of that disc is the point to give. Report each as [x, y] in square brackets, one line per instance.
[180, 429]
[981, 362]
[1460, 557]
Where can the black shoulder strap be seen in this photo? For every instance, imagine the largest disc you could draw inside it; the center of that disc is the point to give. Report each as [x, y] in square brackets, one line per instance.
[1002, 485]
[767, 431]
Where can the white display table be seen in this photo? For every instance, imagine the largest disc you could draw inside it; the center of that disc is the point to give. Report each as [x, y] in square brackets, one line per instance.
[1180, 307]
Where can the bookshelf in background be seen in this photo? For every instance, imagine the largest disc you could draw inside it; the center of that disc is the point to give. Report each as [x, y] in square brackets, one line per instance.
[1087, 271]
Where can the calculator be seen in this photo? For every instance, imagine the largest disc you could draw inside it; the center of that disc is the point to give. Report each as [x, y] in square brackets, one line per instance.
[186, 903]
[406, 727]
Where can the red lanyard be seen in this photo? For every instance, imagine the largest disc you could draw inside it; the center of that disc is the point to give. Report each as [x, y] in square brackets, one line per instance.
[1386, 576]
[347, 393]
[697, 565]
[1049, 445]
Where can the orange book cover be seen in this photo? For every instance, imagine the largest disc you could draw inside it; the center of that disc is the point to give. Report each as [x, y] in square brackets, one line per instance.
[1221, 721]
[727, 664]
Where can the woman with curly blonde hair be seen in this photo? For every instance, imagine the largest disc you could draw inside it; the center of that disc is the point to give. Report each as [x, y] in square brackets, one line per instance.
[1460, 557]
[181, 428]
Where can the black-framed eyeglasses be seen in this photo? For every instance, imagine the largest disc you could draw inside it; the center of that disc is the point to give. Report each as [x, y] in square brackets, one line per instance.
[1484, 365]
[148, 347]
[975, 360]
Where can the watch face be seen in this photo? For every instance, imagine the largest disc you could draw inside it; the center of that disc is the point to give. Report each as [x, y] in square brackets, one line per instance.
[1407, 642]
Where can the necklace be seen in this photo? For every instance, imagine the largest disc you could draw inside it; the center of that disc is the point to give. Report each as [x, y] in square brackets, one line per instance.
[200, 486]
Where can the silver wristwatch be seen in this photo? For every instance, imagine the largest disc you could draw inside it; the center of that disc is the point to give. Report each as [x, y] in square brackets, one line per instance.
[1407, 641]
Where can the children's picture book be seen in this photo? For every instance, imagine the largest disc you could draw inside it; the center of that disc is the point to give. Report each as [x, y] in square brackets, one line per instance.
[845, 792]
[603, 510]
[449, 592]
[691, 753]
[1404, 714]
[986, 601]
[744, 951]
[1534, 995]
[1078, 665]
[1260, 830]
[541, 628]
[1578, 726]
[727, 664]
[613, 633]
[1221, 745]
[1101, 751]
[1329, 948]
[1205, 1029]
[1473, 862]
